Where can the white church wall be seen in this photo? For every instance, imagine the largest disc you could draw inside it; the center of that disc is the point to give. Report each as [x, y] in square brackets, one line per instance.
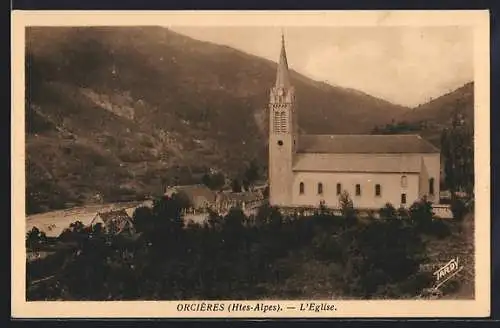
[280, 168]
[423, 188]
[390, 183]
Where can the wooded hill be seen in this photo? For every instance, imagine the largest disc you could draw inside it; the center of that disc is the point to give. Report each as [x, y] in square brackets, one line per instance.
[121, 111]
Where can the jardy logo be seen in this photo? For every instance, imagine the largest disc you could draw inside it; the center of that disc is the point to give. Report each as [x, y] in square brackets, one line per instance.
[446, 272]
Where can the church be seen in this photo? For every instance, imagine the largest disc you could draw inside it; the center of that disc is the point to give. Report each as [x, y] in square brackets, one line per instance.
[309, 170]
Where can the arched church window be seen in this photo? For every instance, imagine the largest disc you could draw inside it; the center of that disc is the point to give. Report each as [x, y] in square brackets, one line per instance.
[404, 181]
[320, 188]
[301, 188]
[431, 186]
[358, 190]
[339, 188]
[378, 190]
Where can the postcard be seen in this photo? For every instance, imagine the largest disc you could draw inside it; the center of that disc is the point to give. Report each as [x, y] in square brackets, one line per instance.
[250, 164]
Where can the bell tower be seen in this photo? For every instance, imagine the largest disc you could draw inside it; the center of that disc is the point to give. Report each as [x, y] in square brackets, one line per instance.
[282, 134]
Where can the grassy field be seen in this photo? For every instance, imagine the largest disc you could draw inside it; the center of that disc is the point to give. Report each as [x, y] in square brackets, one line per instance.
[460, 244]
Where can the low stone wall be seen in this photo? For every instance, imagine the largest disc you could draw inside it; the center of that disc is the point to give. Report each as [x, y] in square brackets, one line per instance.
[442, 211]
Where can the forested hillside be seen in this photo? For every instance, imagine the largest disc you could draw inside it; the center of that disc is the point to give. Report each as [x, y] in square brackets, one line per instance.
[120, 111]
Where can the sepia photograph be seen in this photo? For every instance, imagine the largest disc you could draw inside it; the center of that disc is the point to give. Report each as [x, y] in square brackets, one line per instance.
[252, 165]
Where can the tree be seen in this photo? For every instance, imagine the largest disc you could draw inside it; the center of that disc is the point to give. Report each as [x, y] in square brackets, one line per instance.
[458, 208]
[252, 172]
[35, 238]
[76, 232]
[347, 207]
[218, 181]
[265, 192]
[214, 221]
[235, 218]
[77, 227]
[268, 216]
[245, 185]
[180, 200]
[170, 208]
[421, 213]
[235, 185]
[380, 254]
[457, 148]
[422, 216]
[142, 218]
[388, 212]
[214, 181]
[206, 180]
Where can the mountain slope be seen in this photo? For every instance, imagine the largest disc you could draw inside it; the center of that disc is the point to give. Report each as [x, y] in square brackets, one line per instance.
[437, 114]
[121, 110]
[430, 119]
[440, 110]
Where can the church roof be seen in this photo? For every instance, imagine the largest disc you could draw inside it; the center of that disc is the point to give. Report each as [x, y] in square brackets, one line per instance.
[365, 144]
[346, 163]
[282, 75]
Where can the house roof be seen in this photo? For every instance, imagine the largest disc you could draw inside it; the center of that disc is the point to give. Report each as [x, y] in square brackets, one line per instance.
[120, 214]
[119, 217]
[366, 144]
[372, 163]
[196, 193]
[239, 197]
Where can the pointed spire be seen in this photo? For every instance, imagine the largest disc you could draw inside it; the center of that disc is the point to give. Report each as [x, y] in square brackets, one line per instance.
[282, 75]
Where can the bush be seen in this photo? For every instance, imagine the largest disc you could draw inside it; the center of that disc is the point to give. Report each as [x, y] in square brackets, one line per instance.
[142, 218]
[347, 208]
[236, 185]
[458, 209]
[403, 213]
[421, 215]
[451, 286]
[412, 286]
[379, 254]
[231, 257]
[214, 181]
[440, 229]
[35, 238]
[268, 216]
[326, 247]
[388, 212]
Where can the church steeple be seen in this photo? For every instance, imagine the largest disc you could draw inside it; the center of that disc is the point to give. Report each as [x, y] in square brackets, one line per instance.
[283, 136]
[282, 75]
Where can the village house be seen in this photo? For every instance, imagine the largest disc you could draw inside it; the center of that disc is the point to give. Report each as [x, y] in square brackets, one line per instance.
[200, 196]
[203, 198]
[114, 221]
[245, 200]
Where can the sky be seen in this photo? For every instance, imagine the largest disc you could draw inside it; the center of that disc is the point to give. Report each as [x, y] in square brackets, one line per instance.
[404, 65]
